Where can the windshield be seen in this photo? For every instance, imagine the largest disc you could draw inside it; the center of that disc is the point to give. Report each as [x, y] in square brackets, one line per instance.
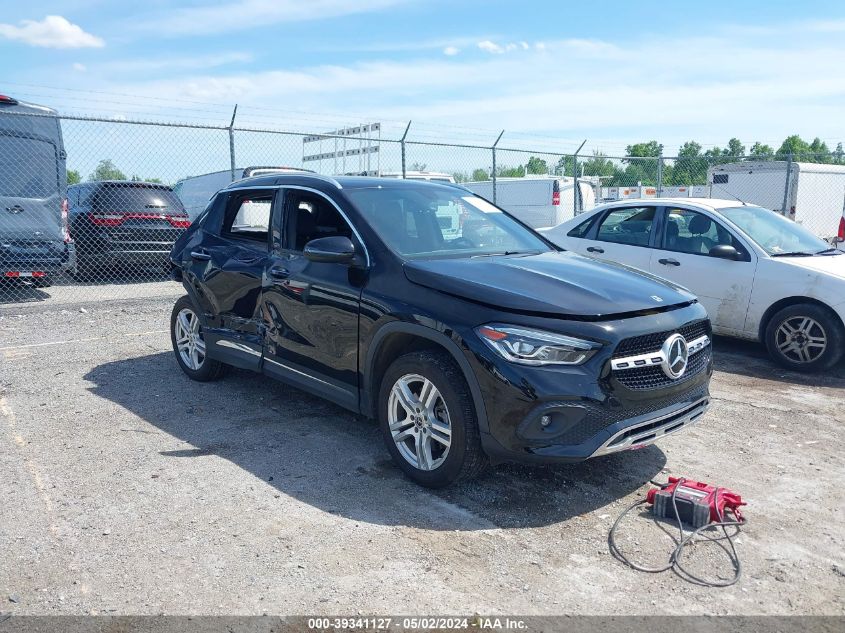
[777, 235]
[427, 221]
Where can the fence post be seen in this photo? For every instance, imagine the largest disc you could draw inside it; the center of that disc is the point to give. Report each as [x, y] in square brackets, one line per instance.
[660, 173]
[493, 149]
[402, 143]
[232, 143]
[786, 184]
[576, 191]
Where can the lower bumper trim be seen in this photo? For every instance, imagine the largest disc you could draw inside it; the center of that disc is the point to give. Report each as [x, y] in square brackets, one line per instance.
[650, 431]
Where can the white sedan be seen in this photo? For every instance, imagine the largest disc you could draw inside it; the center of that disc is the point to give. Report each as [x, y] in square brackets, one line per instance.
[759, 275]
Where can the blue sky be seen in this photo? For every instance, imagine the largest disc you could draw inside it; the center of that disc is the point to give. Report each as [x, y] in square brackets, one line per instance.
[548, 72]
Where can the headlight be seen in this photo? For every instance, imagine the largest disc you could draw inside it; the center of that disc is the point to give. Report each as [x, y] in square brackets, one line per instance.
[536, 347]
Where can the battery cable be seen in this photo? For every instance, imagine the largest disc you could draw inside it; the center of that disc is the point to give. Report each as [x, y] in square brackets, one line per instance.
[685, 539]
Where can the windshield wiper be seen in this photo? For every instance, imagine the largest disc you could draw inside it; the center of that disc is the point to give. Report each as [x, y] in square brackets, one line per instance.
[830, 251]
[507, 253]
[794, 254]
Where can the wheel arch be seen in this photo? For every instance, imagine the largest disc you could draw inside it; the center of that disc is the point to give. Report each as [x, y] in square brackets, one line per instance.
[779, 305]
[397, 338]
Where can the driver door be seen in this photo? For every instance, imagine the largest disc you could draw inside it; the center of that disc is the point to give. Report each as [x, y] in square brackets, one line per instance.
[311, 308]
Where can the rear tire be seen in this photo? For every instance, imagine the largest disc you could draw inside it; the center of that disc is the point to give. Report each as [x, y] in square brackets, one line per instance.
[189, 344]
[424, 402]
[805, 337]
[42, 282]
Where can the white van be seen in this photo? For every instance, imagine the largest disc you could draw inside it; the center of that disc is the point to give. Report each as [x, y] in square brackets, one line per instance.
[196, 191]
[539, 201]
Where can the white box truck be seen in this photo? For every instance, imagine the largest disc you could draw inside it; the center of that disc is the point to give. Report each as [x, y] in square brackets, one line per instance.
[813, 194]
[539, 201]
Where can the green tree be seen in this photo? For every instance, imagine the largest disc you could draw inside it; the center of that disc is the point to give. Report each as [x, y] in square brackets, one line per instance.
[511, 172]
[761, 151]
[599, 165]
[819, 152]
[106, 170]
[690, 168]
[838, 154]
[73, 177]
[795, 145]
[644, 150]
[480, 174]
[537, 166]
[735, 149]
[564, 166]
[417, 166]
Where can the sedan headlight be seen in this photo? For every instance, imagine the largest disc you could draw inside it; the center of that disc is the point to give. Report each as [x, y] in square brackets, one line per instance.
[536, 347]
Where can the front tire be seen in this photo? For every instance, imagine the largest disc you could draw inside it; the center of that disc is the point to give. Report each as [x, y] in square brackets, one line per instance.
[428, 421]
[189, 345]
[805, 337]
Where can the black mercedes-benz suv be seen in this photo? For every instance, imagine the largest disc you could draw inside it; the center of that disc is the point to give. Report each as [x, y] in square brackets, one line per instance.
[486, 346]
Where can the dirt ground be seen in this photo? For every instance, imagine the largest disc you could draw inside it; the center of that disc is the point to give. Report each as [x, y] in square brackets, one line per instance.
[128, 489]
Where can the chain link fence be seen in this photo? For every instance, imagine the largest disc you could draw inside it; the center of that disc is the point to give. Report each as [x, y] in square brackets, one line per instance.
[90, 207]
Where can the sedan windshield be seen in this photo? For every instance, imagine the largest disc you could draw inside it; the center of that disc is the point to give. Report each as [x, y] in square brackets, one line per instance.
[428, 221]
[777, 235]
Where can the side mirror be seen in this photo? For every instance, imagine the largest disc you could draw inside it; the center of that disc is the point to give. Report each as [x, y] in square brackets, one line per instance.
[725, 251]
[330, 250]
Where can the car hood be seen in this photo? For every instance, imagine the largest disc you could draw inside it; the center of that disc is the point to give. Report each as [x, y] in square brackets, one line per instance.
[557, 284]
[833, 265]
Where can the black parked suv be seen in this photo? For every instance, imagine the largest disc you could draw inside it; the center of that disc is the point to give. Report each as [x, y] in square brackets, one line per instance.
[124, 222]
[469, 349]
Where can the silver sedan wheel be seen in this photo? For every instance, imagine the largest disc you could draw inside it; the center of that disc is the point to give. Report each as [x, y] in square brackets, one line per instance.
[419, 422]
[189, 341]
[801, 339]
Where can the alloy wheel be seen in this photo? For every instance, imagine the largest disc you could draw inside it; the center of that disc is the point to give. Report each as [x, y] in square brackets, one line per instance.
[419, 422]
[189, 340]
[801, 339]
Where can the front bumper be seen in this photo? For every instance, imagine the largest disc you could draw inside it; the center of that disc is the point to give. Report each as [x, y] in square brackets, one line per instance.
[566, 414]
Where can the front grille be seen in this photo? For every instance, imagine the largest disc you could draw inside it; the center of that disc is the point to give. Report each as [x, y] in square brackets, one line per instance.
[653, 342]
[644, 378]
[601, 416]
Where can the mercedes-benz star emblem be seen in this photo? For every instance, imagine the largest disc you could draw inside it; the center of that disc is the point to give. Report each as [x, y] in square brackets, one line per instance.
[675, 356]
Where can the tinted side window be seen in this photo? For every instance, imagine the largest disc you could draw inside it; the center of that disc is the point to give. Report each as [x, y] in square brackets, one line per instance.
[582, 229]
[311, 216]
[693, 232]
[629, 225]
[248, 216]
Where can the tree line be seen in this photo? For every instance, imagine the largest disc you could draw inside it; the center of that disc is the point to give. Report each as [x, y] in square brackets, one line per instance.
[688, 168]
[105, 170]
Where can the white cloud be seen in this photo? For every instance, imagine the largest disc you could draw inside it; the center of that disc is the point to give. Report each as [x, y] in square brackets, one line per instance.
[241, 14]
[641, 93]
[53, 31]
[490, 47]
[451, 50]
[79, 67]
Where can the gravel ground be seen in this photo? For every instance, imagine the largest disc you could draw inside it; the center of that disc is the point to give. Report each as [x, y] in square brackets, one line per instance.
[129, 489]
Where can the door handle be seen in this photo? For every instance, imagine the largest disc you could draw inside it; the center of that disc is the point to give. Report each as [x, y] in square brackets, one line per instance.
[200, 256]
[279, 273]
[669, 262]
[594, 249]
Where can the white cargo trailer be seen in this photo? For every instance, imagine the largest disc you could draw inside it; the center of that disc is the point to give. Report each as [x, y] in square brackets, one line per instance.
[813, 194]
[539, 201]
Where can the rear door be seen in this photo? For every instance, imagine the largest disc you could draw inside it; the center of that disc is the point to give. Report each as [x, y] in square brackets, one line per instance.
[682, 255]
[30, 188]
[226, 265]
[623, 234]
